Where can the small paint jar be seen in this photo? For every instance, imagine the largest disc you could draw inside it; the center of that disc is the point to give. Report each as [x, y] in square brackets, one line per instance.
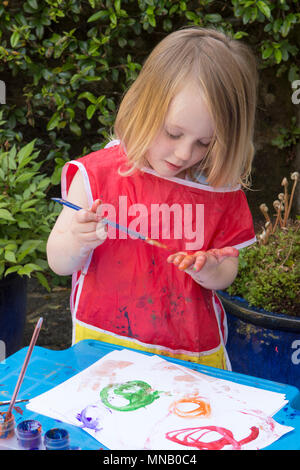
[29, 434]
[7, 426]
[57, 439]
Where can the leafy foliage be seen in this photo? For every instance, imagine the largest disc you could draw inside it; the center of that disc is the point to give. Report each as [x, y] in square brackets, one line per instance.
[25, 213]
[66, 63]
[288, 137]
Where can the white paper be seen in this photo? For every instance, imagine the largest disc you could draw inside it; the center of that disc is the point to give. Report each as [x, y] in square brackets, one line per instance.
[128, 400]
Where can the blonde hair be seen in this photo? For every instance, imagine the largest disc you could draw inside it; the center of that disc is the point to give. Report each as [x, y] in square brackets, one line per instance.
[225, 70]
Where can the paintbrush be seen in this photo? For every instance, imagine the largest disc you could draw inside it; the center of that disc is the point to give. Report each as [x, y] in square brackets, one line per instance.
[24, 367]
[113, 224]
[7, 402]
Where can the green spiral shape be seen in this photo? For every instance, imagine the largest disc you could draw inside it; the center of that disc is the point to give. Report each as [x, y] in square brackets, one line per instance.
[136, 392]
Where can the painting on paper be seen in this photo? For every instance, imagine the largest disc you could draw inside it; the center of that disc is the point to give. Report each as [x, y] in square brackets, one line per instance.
[128, 400]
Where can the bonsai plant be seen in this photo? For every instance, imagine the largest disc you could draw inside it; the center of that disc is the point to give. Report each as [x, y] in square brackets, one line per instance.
[25, 220]
[263, 303]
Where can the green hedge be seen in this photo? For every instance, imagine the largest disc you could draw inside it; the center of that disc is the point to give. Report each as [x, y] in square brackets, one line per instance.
[66, 63]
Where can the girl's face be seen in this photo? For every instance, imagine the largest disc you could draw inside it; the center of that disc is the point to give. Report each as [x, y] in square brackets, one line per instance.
[185, 135]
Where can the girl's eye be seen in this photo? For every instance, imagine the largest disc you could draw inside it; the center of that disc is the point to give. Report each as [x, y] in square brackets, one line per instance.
[201, 144]
[172, 136]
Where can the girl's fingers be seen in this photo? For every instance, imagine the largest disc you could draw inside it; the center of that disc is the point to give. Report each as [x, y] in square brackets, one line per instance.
[229, 251]
[95, 205]
[200, 262]
[181, 259]
[197, 260]
[223, 253]
[84, 216]
[186, 262]
[86, 227]
[89, 215]
[176, 256]
[101, 231]
[89, 237]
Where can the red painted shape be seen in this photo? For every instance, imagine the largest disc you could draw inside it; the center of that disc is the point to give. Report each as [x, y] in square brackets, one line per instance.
[227, 438]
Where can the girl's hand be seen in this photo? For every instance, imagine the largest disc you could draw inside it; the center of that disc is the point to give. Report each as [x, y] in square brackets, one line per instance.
[199, 259]
[206, 266]
[88, 229]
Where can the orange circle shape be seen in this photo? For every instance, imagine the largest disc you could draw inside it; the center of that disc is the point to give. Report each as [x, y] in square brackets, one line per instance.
[202, 407]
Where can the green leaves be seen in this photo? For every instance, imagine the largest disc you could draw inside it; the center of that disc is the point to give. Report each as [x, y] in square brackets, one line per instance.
[99, 15]
[264, 8]
[287, 137]
[6, 215]
[58, 54]
[68, 63]
[26, 215]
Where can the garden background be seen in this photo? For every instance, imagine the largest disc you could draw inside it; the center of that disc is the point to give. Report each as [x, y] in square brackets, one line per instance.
[66, 65]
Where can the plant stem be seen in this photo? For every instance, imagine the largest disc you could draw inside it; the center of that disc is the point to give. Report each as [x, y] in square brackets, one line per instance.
[292, 197]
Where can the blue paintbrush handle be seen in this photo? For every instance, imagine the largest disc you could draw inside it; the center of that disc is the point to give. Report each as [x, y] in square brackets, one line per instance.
[106, 221]
[66, 203]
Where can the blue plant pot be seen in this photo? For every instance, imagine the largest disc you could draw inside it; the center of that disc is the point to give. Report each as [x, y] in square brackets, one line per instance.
[262, 344]
[13, 300]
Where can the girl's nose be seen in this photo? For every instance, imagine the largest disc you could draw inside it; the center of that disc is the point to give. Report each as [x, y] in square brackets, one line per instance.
[183, 151]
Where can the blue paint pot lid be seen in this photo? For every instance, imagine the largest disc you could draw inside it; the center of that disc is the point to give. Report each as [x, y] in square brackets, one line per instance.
[57, 439]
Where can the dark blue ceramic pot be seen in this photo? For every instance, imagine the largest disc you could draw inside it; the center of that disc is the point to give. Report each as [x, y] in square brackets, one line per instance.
[13, 299]
[261, 343]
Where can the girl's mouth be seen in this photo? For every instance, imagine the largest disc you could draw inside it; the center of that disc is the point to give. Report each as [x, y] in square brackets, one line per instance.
[173, 167]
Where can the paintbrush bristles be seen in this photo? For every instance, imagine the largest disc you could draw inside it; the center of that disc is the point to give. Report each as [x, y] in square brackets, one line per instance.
[155, 243]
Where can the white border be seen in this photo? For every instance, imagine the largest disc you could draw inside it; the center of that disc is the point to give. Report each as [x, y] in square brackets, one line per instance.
[184, 182]
[192, 184]
[218, 319]
[79, 283]
[245, 244]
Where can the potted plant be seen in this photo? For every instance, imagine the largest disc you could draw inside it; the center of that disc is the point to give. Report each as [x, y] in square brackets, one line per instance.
[263, 303]
[25, 220]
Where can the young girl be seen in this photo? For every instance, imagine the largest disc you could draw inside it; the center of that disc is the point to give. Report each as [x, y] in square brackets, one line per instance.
[184, 148]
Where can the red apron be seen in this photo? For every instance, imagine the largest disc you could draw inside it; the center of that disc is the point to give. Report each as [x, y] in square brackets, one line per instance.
[127, 293]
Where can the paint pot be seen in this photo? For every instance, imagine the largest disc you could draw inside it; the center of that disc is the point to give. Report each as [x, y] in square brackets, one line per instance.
[29, 434]
[57, 439]
[7, 427]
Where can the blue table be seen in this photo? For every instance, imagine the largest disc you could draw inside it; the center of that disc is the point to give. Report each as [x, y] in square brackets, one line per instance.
[49, 368]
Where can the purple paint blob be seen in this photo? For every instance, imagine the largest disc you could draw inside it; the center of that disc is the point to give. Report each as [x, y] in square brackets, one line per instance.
[92, 417]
